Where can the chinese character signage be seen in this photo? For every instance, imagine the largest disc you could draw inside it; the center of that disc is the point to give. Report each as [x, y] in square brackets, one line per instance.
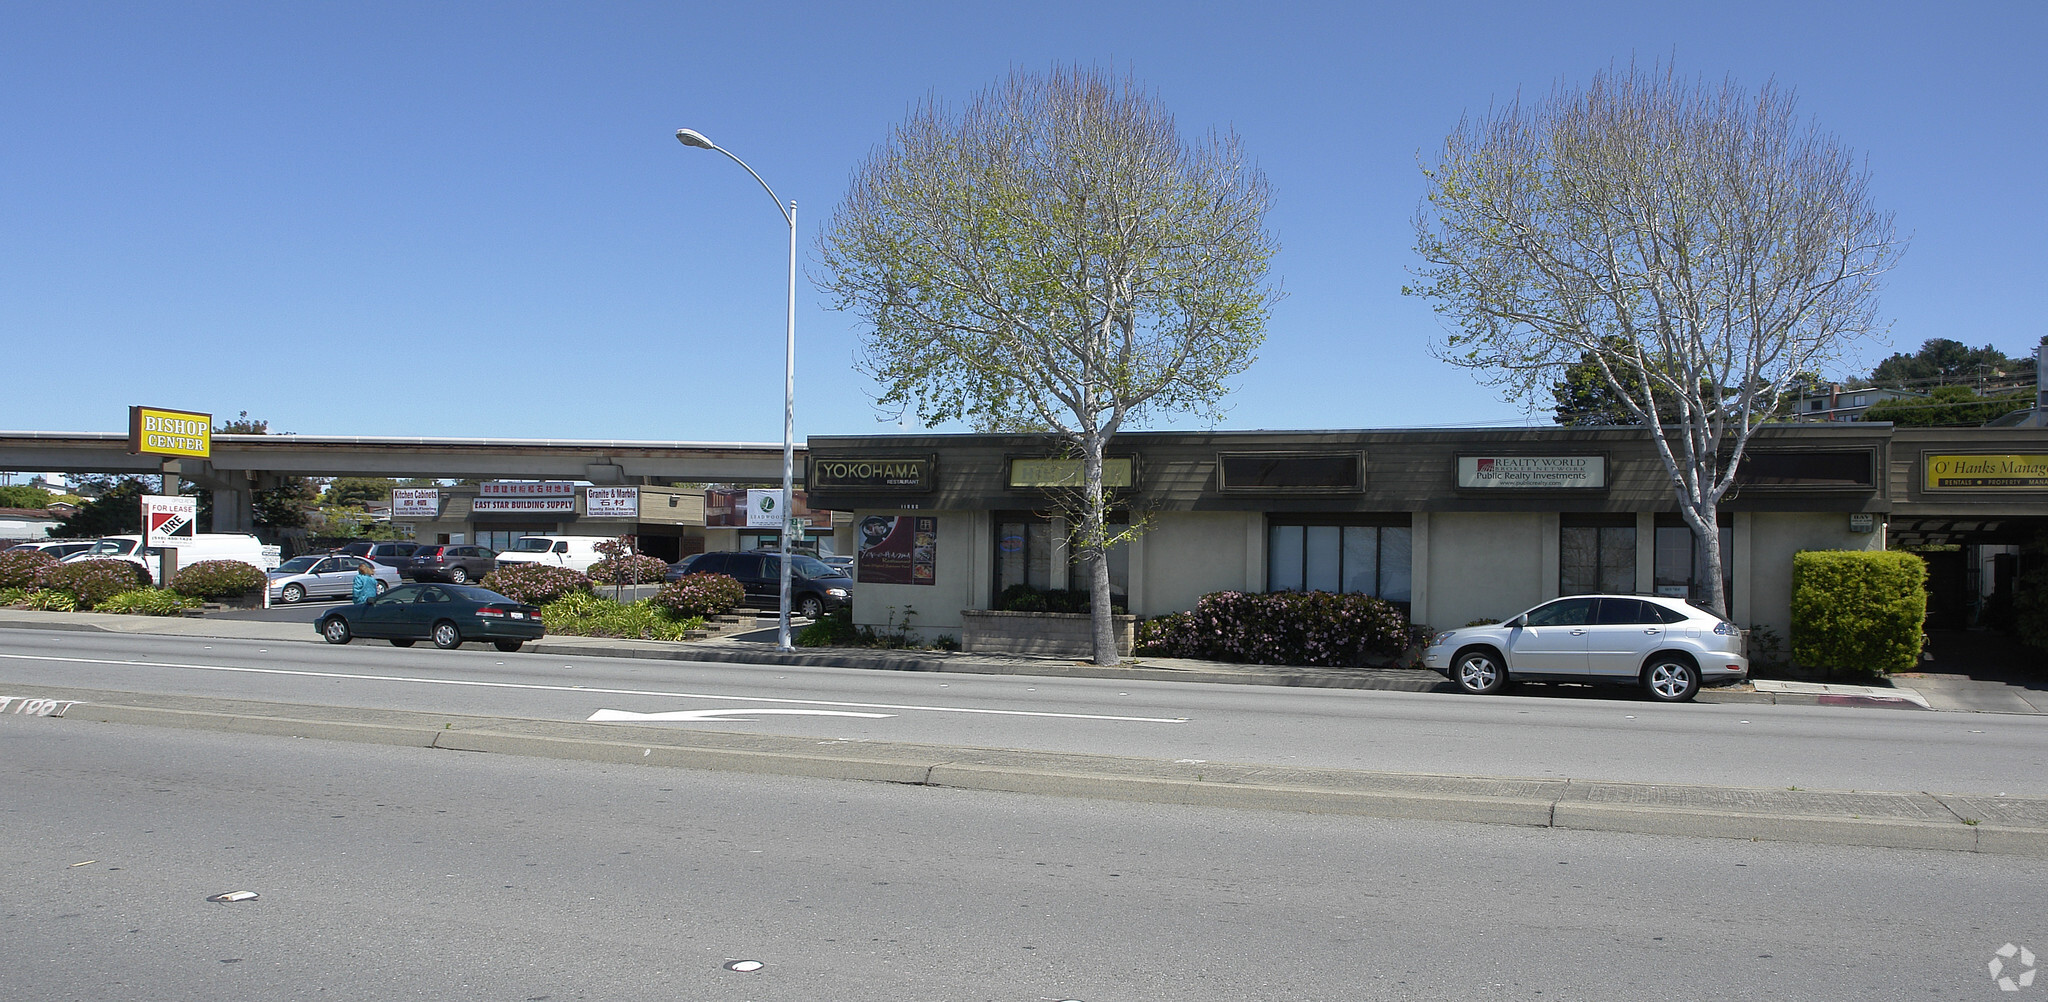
[612, 502]
[502, 496]
[415, 502]
[1547, 472]
[898, 549]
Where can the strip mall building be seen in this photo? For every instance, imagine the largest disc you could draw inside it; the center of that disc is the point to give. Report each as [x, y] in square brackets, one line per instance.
[1453, 525]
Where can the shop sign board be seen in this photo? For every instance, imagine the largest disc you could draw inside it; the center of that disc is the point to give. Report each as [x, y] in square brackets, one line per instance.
[898, 549]
[525, 497]
[764, 508]
[1526, 472]
[612, 502]
[882, 474]
[2008, 472]
[1055, 473]
[169, 520]
[161, 432]
[415, 502]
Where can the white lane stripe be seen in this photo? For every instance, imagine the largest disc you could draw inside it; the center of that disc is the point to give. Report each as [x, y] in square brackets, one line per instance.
[587, 689]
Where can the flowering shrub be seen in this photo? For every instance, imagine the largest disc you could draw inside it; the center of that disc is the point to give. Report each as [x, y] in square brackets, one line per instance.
[1285, 628]
[629, 569]
[217, 579]
[701, 595]
[90, 582]
[535, 584]
[18, 568]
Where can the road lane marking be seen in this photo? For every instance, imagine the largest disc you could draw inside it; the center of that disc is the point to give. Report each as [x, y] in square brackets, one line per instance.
[688, 715]
[534, 687]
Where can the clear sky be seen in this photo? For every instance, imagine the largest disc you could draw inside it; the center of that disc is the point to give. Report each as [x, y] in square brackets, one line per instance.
[449, 219]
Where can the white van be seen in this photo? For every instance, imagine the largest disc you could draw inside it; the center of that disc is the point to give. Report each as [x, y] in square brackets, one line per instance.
[203, 546]
[574, 552]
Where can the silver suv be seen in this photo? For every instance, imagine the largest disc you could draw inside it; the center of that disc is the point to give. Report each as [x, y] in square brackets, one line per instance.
[1666, 646]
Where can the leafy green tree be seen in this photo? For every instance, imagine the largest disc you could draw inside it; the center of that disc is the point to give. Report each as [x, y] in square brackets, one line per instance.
[243, 425]
[1055, 257]
[1698, 245]
[116, 511]
[1942, 360]
[23, 496]
[1948, 407]
[358, 491]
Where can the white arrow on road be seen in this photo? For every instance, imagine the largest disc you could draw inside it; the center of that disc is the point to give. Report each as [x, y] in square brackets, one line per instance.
[622, 716]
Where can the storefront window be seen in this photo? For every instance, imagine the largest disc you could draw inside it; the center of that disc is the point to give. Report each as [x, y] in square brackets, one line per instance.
[1676, 557]
[1596, 559]
[1023, 554]
[1353, 559]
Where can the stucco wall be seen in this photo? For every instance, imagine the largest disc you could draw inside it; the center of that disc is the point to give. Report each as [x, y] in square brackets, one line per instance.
[1188, 555]
[937, 606]
[1773, 539]
[1486, 565]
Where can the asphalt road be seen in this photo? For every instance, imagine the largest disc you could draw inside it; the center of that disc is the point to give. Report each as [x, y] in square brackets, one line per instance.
[1758, 746]
[403, 873]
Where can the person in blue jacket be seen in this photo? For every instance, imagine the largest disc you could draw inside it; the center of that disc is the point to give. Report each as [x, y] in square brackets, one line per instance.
[364, 587]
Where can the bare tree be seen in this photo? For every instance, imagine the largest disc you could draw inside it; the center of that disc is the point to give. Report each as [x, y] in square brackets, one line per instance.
[1055, 258]
[1699, 246]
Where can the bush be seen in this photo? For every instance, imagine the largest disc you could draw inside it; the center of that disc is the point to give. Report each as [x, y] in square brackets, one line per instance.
[535, 584]
[217, 579]
[1285, 628]
[151, 602]
[2030, 608]
[13, 596]
[833, 629]
[18, 568]
[630, 569]
[1858, 611]
[1024, 598]
[701, 595]
[585, 615]
[90, 582]
[50, 600]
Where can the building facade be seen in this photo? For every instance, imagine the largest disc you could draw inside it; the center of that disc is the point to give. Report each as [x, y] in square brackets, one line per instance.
[1452, 525]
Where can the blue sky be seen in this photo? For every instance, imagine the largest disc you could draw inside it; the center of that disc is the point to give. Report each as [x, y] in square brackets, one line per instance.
[473, 220]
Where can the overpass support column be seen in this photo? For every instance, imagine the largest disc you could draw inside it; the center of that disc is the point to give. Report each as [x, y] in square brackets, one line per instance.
[231, 511]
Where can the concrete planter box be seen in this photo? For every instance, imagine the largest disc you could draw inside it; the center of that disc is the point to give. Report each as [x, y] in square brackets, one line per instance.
[251, 599]
[1060, 634]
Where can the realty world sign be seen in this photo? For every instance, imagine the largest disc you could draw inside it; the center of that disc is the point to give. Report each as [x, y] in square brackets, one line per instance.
[169, 520]
[1532, 471]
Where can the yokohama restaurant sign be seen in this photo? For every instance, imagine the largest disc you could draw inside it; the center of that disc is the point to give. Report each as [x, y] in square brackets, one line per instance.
[1532, 472]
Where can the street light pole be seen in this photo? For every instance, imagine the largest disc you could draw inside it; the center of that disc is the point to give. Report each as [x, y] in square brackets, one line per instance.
[690, 137]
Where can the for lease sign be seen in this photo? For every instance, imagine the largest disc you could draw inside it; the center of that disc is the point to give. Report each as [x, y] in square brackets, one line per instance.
[163, 432]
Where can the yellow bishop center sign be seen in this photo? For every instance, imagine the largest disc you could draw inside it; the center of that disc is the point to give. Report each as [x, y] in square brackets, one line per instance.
[170, 433]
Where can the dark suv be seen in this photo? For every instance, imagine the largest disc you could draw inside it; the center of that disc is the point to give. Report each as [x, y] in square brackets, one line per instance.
[397, 556]
[457, 562]
[815, 588]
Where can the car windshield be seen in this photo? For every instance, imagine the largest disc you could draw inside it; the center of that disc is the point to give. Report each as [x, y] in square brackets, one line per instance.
[811, 567]
[111, 547]
[297, 565]
[531, 544]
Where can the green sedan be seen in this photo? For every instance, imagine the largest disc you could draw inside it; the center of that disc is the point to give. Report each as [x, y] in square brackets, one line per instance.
[447, 614]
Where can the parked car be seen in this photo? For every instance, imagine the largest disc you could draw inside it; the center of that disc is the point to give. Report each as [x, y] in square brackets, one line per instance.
[447, 614]
[397, 556]
[843, 563]
[331, 576]
[204, 546]
[574, 552]
[1666, 646]
[680, 567]
[456, 563]
[814, 587]
[59, 548]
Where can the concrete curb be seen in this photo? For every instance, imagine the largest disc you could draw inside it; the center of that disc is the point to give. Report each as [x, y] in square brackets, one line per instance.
[2002, 826]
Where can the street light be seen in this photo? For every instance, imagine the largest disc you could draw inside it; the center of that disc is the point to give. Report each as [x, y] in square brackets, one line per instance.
[691, 137]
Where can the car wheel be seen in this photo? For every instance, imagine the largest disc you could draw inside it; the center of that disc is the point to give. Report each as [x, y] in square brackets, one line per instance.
[446, 636]
[402, 643]
[459, 575]
[810, 607]
[294, 594]
[1671, 679]
[1479, 672]
[382, 587]
[510, 646]
[335, 629]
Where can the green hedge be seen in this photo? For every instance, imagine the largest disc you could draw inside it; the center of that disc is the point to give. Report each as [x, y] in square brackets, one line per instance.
[702, 595]
[90, 582]
[535, 584]
[1282, 628]
[1858, 611]
[218, 579]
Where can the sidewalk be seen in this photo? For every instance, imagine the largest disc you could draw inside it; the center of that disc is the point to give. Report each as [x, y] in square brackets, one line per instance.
[1913, 820]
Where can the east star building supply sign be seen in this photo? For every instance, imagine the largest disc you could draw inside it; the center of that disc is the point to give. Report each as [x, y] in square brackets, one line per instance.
[170, 433]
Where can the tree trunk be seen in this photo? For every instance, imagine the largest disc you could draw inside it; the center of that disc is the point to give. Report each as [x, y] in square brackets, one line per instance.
[1094, 515]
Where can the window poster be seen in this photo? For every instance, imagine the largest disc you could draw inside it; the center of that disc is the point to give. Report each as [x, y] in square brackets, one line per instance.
[898, 549]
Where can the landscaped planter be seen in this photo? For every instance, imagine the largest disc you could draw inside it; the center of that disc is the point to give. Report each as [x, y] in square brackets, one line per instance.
[1061, 634]
[251, 599]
